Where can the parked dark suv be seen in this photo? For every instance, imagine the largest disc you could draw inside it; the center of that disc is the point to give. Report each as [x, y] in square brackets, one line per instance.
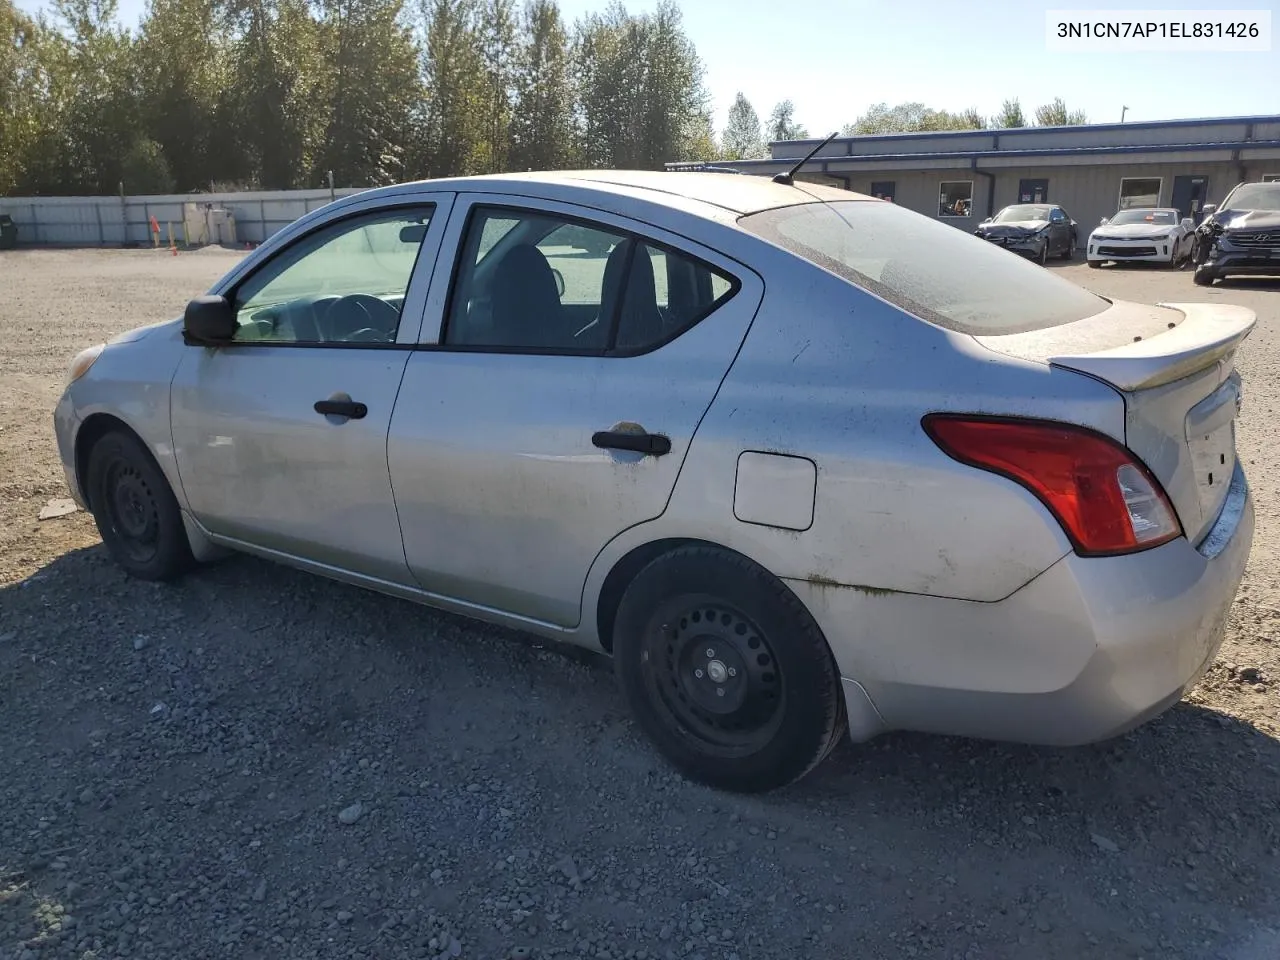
[1241, 235]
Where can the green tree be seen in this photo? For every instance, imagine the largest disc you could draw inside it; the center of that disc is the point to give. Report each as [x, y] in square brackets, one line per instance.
[275, 102]
[782, 124]
[1056, 114]
[451, 141]
[542, 132]
[371, 88]
[144, 168]
[182, 55]
[1010, 115]
[498, 58]
[913, 117]
[641, 96]
[27, 153]
[742, 139]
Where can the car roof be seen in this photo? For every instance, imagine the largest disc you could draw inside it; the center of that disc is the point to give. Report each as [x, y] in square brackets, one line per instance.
[735, 192]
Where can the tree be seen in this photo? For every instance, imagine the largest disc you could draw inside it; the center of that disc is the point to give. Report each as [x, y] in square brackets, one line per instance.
[452, 127]
[371, 87]
[742, 139]
[144, 168]
[911, 118]
[641, 96]
[497, 54]
[276, 97]
[182, 55]
[1055, 114]
[542, 132]
[26, 113]
[782, 125]
[1010, 115]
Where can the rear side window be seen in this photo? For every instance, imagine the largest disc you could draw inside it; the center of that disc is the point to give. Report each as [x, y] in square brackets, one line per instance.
[932, 270]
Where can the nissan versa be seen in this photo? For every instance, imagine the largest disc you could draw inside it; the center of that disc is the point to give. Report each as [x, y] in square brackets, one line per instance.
[803, 462]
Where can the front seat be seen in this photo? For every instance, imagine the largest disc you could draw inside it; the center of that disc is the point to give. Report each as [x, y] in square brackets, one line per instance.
[524, 300]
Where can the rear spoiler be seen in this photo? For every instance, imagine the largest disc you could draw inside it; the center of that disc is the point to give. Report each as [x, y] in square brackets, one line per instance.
[1207, 333]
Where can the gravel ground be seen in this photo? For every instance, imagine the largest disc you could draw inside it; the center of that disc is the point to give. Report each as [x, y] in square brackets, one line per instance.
[255, 762]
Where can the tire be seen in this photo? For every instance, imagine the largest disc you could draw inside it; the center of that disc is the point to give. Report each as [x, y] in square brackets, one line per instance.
[1203, 277]
[135, 509]
[1095, 264]
[1070, 252]
[1043, 258]
[699, 619]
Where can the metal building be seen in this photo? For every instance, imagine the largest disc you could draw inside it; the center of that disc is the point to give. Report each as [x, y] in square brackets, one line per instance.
[1092, 170]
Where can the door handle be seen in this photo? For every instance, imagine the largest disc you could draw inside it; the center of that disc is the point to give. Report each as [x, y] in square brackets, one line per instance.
[342, 408]
[652, 444]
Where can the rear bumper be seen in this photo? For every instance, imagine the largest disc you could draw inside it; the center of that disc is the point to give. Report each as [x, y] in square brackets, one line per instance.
[1088, 650]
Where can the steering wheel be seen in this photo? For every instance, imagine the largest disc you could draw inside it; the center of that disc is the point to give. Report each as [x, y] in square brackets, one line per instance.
[367, 312]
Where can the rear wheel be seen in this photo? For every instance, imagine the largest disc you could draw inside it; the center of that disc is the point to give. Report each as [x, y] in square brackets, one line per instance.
[135, 510]
[726, 671]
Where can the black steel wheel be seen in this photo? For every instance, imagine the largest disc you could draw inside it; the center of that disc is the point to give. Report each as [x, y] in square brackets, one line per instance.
[135, 510]
[726, 671]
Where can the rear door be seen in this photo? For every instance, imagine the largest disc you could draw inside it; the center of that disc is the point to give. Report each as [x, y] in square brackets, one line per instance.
[577, 353]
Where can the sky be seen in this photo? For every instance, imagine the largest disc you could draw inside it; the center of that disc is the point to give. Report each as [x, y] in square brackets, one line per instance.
[835, 59]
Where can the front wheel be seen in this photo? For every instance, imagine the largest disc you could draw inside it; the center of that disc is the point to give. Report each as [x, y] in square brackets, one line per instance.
[1095, 264]
[1203, 277]
[1043, 257]
[135, 510]
[726, 671]
[1070, 252]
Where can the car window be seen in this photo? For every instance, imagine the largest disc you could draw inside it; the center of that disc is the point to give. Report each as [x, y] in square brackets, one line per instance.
[343, 283]
[930, 269]
[667, 292]
[532, 281]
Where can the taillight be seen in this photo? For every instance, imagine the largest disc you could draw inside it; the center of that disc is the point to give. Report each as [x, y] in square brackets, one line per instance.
[1106, 500]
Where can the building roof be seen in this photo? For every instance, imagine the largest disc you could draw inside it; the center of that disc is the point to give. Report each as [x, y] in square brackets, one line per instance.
[1224, 138]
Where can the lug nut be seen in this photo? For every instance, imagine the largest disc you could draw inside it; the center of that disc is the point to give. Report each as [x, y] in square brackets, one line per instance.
[698, 674]
[719, 691]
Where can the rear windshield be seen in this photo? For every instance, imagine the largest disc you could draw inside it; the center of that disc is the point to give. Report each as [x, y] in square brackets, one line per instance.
[935, 271]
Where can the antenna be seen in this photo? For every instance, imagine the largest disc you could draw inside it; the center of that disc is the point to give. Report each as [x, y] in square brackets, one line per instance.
[788, 178]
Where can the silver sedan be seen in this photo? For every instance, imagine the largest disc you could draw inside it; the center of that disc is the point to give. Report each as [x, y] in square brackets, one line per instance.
[803, 462]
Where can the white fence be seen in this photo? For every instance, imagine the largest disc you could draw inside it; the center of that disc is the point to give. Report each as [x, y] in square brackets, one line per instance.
[120, 221]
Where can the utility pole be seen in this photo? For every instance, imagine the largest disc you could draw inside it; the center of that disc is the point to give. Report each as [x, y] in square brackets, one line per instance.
[1123, 111]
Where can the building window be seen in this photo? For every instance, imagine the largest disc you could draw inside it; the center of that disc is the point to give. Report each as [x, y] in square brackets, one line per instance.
[955, 198]
[1139, 192]
[883, 189]
[1270, 177]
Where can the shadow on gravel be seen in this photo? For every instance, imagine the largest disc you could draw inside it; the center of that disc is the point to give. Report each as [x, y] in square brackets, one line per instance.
[155, 729]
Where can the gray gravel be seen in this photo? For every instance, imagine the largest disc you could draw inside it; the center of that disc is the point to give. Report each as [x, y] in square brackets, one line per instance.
[259, 763]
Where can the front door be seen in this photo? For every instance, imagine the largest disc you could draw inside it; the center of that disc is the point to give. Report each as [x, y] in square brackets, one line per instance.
[281, 436]
[1033, 191]
[578, 353]
[1189, 195]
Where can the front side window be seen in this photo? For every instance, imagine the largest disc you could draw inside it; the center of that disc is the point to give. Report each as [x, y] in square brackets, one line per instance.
[345, 283]
[940, 274]
[1139, 192]
[541, 283]
[955, 198]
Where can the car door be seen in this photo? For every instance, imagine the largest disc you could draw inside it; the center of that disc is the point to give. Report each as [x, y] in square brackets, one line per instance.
[578, 352]
[280, 436]
[1059, 230]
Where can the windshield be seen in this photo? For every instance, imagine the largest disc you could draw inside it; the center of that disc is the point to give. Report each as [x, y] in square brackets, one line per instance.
[1022, 211]
[934, 271]
[1255, 196]
[1145, 216]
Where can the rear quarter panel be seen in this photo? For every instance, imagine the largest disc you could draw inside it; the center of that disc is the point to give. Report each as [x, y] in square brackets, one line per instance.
[834, 374]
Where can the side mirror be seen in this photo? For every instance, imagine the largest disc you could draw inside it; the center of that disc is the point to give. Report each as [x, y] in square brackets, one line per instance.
[1208, 208]
[559, 281]
[208, 321]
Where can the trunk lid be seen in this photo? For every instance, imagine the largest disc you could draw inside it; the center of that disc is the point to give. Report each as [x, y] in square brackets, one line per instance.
[1174, 365]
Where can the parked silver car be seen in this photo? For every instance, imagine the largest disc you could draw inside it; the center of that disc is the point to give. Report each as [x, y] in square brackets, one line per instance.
[802, 461]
